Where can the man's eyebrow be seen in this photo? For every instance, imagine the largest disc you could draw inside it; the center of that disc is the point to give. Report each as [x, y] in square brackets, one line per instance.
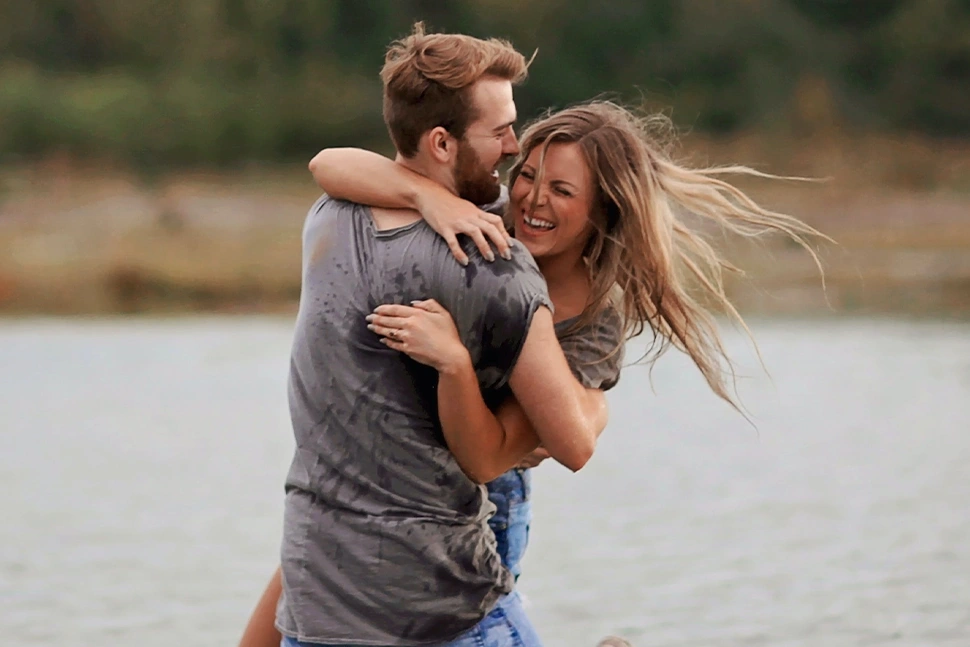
[507, 124]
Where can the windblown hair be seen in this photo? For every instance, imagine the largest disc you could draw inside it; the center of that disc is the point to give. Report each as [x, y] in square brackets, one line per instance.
[426, 80]
[642, 257]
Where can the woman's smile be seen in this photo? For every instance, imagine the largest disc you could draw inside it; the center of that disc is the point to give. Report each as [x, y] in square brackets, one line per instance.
[552, 216]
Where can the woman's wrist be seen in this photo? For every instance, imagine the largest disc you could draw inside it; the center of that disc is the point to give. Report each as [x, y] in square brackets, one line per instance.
[429, 197]
[455, 362]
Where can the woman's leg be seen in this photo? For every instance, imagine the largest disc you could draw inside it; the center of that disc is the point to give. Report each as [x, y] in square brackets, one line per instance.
[520, 522]
[261, 630]
[511, 494]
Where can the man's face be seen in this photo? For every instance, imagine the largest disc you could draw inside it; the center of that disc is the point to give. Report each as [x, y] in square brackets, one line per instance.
[488, 141]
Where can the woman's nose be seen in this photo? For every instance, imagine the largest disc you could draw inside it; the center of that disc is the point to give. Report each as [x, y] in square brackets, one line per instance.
[537, 196]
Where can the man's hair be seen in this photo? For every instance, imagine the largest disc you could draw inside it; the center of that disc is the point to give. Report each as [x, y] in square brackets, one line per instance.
[426, 80]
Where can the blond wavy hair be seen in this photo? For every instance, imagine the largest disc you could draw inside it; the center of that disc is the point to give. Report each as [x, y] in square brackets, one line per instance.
[426, 79]
[642, 257]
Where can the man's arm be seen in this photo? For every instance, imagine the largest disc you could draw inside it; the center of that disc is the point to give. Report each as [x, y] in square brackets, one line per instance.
[568, 418]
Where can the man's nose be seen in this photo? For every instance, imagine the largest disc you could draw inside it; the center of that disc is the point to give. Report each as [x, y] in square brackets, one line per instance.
[510, 145]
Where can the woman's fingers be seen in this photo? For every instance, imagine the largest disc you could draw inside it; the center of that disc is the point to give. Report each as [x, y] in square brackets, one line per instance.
[424, 331]
[397, 334]
[485, 233]
[455, 248]
[498, 236]
[475, 233]
[394, 310]
[391, 343]
[492, 219]
[502, 238]
[397, 323]
[428, 305]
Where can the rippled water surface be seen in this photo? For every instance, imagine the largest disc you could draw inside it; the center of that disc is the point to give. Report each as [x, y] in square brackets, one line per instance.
[142, 466]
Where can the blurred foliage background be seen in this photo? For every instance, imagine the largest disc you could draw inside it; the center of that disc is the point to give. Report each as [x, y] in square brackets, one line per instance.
[152, 154]
[215, 81]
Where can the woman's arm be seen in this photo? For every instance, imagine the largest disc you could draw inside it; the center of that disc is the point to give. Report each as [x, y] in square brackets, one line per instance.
[485, 444]
[261, 630]
[368, 178]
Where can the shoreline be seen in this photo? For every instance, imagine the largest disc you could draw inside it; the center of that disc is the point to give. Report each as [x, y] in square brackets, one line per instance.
[79, 240]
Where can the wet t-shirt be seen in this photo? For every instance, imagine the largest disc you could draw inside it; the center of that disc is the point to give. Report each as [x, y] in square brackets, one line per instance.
[385, 538]
[595, 349]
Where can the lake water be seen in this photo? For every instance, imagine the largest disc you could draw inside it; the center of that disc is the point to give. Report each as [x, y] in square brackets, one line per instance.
[142, 463]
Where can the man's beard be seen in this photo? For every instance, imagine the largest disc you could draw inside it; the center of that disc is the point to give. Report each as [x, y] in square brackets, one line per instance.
[473, 181]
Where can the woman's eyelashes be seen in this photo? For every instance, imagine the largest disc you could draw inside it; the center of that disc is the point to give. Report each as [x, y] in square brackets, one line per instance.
[558, 189]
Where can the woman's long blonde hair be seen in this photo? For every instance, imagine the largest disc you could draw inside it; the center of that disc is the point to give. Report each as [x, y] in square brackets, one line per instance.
[642, 257]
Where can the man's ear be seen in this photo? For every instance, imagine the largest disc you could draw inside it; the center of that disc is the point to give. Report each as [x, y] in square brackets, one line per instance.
[441, 145]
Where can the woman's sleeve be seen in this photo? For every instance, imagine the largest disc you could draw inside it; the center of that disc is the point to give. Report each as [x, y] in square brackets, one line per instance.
[595, 351]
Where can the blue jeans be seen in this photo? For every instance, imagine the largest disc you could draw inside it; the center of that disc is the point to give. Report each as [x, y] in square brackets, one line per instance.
[511, 495]
[505, 626]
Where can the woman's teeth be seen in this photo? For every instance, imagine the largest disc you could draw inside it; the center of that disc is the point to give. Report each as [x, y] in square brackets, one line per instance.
[537, 223]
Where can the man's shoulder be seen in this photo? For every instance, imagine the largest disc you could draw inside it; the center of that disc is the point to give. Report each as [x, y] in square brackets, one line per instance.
[326, 208]
[517, 278]
[521, 266]
[327, 202]
[384, 222]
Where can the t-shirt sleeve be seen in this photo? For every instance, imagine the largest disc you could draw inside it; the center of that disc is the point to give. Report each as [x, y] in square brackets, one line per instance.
[495, 309]
[595, 351]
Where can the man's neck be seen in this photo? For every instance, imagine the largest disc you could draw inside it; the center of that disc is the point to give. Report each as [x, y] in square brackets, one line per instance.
[385, 219]
[438, 175]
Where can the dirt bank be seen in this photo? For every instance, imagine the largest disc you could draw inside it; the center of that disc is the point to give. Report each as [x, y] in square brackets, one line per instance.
[83, 240]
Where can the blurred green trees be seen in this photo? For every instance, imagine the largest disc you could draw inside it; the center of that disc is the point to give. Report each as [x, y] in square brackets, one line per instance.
[217, 81]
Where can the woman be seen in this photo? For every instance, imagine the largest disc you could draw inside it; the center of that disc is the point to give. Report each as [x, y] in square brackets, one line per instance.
[598, 204]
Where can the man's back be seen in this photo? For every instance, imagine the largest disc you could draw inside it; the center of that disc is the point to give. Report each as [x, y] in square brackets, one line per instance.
[385, 539]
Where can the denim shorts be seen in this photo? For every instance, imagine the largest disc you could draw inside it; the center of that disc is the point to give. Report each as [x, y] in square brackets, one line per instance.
[505, 626]
[511, 494]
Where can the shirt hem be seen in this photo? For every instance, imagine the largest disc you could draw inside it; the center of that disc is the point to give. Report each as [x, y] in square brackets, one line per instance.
[295, 635]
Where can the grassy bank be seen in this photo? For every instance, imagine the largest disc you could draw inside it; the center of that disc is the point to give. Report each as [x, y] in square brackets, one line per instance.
[79, 239]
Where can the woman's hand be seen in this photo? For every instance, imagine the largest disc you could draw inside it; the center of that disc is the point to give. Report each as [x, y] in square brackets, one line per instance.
[534, 458]
[424, 331]
[450, 215]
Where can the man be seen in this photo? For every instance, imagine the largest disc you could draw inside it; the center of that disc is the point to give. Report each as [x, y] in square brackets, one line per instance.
[385, 538]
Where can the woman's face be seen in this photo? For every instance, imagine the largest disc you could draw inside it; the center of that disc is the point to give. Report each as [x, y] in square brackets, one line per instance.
[561, 221]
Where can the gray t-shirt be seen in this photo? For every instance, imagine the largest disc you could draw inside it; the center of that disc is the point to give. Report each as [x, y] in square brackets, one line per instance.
[385, 538]
[594, 350]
